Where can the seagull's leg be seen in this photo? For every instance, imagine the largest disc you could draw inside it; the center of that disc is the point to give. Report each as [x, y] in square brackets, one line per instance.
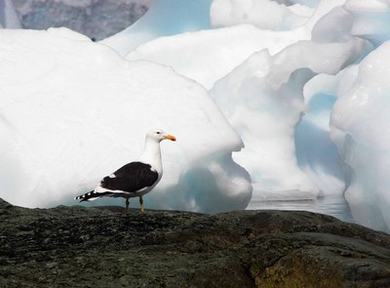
[127, 204]
[141, 202]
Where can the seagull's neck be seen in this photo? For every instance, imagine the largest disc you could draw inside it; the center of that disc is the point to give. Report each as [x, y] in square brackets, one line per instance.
[152, 154]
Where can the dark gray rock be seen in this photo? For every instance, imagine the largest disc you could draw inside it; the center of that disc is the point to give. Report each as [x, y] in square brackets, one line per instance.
[97, 19]
[105, 247]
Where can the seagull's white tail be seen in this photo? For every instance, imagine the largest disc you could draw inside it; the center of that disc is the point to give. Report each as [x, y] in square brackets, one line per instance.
[90, 196]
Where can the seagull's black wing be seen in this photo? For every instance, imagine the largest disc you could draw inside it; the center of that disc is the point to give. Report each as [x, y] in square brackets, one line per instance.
[131, 178]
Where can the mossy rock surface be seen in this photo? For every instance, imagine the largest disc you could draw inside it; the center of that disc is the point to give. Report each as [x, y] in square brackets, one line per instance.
[105, 247]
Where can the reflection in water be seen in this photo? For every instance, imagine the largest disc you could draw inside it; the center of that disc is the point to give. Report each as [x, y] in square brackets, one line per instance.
[334, 205]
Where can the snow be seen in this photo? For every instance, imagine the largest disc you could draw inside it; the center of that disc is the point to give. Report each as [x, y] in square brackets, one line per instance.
[360, 128]
[8, 17]
[72, 111]
[162, 20]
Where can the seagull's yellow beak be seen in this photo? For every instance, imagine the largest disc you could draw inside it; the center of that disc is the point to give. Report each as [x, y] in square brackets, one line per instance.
[170, 137]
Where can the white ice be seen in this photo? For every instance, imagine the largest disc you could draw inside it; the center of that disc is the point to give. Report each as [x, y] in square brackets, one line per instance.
[263, 101]
[270, 14]
[371, 19]
[207, 56]
[72, 111]
[316, 153]
[276, 73]
[164, 17]
[265, 14]
[360, 128]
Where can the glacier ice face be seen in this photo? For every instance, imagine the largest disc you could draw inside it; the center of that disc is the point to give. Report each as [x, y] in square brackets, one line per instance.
[8, 17]
[360, 128]
[72, 111]
[164, 17]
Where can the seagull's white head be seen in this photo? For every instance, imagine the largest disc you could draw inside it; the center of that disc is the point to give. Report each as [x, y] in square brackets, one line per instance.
[159, 135]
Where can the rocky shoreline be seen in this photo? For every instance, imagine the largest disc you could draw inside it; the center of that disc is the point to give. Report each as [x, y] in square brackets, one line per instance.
[105, 247]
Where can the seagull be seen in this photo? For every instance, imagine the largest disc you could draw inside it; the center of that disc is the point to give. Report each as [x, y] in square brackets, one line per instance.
[134, 179]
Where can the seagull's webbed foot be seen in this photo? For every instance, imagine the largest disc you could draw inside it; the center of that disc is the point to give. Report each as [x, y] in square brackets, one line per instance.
[141, 203]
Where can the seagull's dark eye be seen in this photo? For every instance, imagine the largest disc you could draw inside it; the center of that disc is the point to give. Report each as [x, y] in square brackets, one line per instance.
[158, 132]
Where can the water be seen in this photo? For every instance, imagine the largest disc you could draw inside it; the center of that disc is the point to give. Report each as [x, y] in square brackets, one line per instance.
[334, 205]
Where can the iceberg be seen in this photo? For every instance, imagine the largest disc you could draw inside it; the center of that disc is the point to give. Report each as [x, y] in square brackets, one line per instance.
[164, 17]
[371, 19]
[360, 128]
[301, 83]
[316, 153]
[263, 100]
[265, 14]
[208, 55]
[270, 14]
[72, 111]
[290, 164]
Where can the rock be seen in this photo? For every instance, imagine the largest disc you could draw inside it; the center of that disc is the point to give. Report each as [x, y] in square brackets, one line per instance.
[105, 247]
[4, 204]
[97, 19]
